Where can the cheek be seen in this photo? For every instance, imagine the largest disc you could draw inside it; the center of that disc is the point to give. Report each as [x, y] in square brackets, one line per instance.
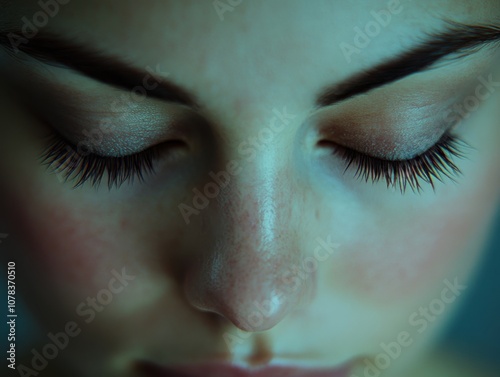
[412, 252]
[76, 248]
[408, 259]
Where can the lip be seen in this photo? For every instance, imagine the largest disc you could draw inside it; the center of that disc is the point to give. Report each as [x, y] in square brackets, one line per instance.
[230, 370]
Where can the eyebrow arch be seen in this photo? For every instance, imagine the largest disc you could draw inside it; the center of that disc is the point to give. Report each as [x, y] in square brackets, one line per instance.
[60, 52]
[455, 39]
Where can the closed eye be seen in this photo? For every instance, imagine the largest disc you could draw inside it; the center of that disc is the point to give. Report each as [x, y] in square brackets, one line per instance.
[62, 157]
[436, 164]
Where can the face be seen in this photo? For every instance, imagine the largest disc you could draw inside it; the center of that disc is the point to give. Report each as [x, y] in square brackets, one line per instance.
[284, 216]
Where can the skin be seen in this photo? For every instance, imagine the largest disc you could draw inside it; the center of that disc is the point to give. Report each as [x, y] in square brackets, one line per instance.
[195, 287]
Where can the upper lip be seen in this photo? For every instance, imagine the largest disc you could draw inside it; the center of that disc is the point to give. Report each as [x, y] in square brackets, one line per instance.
[230, 370]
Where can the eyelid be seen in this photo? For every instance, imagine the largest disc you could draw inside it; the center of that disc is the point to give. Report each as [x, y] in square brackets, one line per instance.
[387, 131]
[63, 158]
[112, 134]
[435, 164]
[125, 132]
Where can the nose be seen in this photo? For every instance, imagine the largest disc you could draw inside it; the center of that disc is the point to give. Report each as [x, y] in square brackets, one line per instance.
[246, 270]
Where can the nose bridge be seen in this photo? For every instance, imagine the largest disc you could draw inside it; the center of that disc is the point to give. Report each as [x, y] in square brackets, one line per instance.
[256, 208]
[241, 275]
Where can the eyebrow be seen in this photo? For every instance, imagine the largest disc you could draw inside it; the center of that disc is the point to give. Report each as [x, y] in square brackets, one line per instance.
[457, 38]
[60, 52]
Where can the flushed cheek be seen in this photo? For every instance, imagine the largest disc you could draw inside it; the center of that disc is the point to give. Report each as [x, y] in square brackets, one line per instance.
[75, 247]
[410, 259]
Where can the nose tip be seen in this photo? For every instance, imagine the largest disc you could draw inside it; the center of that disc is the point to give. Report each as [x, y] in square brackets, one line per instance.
[252, 297]
[260, 314]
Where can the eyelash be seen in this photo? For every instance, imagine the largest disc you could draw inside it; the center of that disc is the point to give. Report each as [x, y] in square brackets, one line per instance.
[63, 158]
[434, 164]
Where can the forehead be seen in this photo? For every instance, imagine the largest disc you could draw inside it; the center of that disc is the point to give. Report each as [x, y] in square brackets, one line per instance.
[208, 18]
[233, 26]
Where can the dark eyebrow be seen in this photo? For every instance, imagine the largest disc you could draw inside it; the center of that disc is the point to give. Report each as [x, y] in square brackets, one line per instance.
[55, 50]
[455, 39]
[108, 69]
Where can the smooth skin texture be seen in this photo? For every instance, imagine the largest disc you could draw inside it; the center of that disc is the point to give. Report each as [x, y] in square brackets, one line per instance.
[198, 288]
